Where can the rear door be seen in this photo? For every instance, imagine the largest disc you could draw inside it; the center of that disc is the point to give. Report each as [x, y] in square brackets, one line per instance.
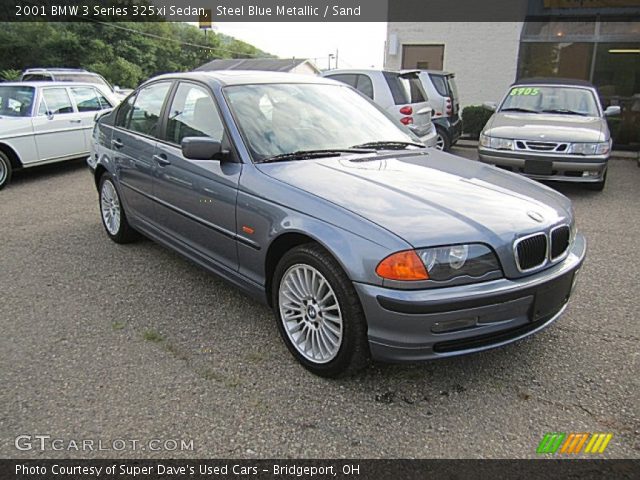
[88, 102]
[196, 199]
[58, 127]
[133, 144]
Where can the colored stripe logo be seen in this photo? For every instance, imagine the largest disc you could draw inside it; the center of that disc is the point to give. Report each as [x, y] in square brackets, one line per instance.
[574, 443]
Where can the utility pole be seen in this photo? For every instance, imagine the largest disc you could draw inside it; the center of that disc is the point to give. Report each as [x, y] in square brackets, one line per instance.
[331, 55]
[336, 58]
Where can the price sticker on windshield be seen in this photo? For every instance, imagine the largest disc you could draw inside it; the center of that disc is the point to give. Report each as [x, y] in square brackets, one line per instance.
[532, 91]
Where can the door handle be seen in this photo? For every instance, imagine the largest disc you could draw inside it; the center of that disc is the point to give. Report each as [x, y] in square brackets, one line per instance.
[162, 160]
[75, 121]
[117, 143]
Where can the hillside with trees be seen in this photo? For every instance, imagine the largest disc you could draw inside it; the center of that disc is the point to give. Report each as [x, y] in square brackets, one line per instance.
[125, 53]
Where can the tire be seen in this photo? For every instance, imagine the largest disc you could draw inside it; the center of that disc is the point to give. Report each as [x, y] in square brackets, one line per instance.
[6, 170]
[114, 219]
[598, 186]
[443, 142]
[315, 324]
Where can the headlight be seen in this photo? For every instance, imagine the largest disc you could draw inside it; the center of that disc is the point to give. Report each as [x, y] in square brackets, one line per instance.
[496, 143]
[445, 263]
[601, 148]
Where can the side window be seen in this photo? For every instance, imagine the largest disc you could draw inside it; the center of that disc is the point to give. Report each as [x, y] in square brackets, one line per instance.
[348, 78]
[145, 117]
[124, 111]
[57, 101]
[193, 114]
[86, 99]
[365, 86]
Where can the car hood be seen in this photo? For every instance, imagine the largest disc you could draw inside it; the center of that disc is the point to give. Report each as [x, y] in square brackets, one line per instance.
[429, 198]
[10, 126]
[549, 127]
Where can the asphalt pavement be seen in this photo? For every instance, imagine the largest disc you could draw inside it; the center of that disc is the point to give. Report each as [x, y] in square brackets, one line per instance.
[104, 342]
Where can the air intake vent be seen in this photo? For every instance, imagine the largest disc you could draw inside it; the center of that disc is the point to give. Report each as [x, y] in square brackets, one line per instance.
[531, 252]
[559, 241]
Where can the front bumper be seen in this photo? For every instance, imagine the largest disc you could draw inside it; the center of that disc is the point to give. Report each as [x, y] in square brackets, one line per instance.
[415, 325]
[566, 168]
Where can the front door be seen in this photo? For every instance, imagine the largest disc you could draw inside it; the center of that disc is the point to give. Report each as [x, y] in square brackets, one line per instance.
[196, 199]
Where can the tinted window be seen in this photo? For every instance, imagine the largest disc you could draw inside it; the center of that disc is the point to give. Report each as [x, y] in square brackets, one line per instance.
[38, 77]
[193, 114]
[365, 86]
[145, 117]
[398, 92]
[87, 99]
[416, 93]
[348, 78]
[16, 101]
[56, 101]
[440, 83]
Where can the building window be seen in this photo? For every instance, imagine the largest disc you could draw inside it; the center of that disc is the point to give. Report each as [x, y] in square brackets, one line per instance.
[572, 60]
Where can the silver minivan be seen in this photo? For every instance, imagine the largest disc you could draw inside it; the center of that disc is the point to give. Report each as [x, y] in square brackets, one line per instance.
[399, 93]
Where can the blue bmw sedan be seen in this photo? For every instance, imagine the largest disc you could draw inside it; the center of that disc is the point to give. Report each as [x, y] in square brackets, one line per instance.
[310, 198]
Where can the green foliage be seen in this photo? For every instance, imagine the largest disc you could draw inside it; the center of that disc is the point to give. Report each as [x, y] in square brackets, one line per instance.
[474, 118]
[10, 75]
[125, 53]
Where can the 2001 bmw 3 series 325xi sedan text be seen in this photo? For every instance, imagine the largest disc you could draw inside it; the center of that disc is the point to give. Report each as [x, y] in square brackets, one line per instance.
[306, 195]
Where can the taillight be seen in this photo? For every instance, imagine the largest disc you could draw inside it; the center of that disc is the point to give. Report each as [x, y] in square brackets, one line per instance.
[448, 104]
[406, 110]
[406, 120]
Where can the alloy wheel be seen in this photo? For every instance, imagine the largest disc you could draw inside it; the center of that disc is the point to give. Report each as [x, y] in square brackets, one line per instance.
[110, 207]
[310, 313]
[440, 142]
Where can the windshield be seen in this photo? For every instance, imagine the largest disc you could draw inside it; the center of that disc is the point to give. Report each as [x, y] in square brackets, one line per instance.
[579, 101]
[16, 101]
[277, 119]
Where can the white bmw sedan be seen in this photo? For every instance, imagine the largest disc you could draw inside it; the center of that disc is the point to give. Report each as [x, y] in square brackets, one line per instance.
[46, 122]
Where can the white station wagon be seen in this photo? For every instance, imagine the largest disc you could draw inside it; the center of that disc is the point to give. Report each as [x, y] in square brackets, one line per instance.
[46, 122]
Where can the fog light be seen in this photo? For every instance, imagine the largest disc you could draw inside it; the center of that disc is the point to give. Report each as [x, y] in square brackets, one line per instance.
[453, 325]
[590, 174]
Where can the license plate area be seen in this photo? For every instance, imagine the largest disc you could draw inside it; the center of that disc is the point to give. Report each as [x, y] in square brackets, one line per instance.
[550, 298]
[538, 167]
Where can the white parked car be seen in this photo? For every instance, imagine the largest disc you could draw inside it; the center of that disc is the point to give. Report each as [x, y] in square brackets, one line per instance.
[46, 122]
[399, 93]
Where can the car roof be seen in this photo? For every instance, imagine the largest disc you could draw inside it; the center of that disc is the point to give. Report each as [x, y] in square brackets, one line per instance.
[242, 77]
[435, 72]
[570, 82]
[358, 70]
[44, 83]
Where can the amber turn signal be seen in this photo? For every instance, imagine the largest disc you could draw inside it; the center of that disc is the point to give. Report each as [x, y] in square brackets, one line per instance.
[403, 266]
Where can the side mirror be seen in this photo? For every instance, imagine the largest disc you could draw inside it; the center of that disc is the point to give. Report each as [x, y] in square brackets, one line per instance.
[493, 106]
[612, 110]
[201, 148]
[49, 115]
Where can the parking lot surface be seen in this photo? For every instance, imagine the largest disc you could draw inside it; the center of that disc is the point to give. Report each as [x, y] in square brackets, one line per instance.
[106, 341]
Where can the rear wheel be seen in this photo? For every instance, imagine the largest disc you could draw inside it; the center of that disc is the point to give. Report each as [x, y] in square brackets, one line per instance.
[318, 313]
[443, 142]
[5, 170]
[112, 213]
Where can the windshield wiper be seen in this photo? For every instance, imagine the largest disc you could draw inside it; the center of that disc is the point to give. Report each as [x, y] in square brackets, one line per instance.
[308, 154]
[564, 111]
[388, 145]
[519, 109]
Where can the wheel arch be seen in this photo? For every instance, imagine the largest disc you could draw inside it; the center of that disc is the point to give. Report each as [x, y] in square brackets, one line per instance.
[12, 154]
[282, 244]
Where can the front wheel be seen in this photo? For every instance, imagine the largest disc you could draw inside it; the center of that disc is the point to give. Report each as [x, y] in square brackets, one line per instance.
[318, 313]
[112, 213]
[5, 170]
